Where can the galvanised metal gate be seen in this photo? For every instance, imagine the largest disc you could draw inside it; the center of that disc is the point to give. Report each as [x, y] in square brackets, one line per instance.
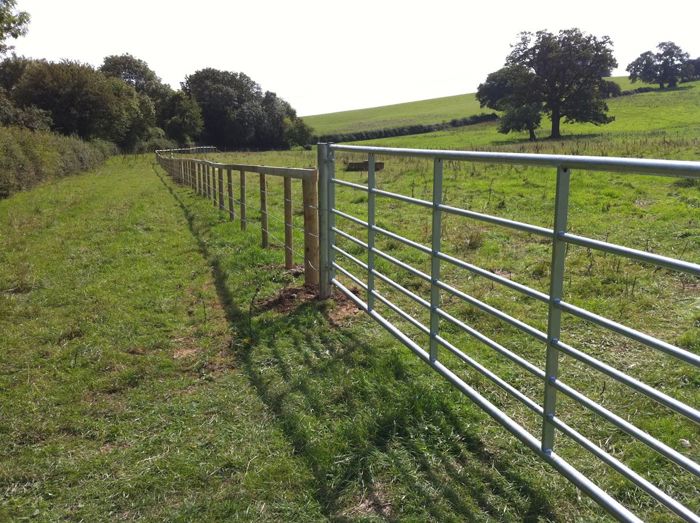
[543, 445]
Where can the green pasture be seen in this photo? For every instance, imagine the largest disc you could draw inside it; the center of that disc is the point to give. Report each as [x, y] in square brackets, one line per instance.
[646, 125]
[432, 111]
[157, 364]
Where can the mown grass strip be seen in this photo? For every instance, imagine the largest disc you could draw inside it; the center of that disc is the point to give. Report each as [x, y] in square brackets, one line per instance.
[121, 398]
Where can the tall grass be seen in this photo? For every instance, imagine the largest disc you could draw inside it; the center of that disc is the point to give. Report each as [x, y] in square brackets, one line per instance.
[30, 157]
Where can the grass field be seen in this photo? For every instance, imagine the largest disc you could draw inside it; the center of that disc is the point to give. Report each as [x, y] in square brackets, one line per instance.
[658, 124]
[435, 110]
[648, 213]
[157, 368]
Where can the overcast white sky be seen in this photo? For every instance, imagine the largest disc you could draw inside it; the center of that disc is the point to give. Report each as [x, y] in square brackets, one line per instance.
[325, 56]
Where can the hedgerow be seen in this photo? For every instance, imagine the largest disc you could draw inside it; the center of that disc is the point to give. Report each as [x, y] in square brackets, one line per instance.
[30, 157]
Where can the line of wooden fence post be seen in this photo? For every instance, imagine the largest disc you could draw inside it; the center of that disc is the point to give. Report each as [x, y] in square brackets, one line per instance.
[208, 181]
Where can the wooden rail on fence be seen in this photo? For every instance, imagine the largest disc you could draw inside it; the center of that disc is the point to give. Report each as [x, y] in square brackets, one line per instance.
[207, 179]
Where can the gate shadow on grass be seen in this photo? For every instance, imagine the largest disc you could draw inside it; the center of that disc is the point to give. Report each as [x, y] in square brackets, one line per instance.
[381, 439]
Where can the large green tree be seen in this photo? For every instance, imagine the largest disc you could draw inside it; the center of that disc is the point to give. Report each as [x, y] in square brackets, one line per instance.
[230, 104]
[512, 91]
[568, 77]
[237, 114]
[13, 23]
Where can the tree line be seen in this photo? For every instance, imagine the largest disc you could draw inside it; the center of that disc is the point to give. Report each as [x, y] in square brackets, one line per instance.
[563, 76]
[125, 102]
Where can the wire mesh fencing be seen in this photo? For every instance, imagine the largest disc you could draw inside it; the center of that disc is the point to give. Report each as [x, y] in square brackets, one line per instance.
[287, 212]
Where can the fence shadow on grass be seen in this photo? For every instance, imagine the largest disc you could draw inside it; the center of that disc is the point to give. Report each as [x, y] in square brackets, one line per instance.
[380, 439]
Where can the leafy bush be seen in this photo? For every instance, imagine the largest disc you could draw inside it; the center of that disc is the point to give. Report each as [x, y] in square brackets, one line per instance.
[83, 101]
[29, 157]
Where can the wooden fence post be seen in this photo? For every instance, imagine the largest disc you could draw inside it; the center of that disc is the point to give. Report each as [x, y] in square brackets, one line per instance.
[311, 236]
[212, 190]
[288, 236]
[244, 221]
[229, 180]
[263, 211]
[197, 176]
[221, 188]
[210, 182]
[206, 181]
[213, 186]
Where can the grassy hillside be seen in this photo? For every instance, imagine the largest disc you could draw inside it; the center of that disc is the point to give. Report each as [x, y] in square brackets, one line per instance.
[431, 111]
[640, 117]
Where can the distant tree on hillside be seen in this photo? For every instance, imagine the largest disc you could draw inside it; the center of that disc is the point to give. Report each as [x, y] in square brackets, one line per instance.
[666, 67]
[671, 59]
[644, 68]
[692, 70]
[237, 114]
[565, 79]
[13, 24]
[512, 90]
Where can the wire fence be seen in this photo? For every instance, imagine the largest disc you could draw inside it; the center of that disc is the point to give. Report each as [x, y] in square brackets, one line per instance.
[286, 212]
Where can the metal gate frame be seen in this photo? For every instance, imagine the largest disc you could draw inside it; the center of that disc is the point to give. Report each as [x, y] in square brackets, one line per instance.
[551, 423]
